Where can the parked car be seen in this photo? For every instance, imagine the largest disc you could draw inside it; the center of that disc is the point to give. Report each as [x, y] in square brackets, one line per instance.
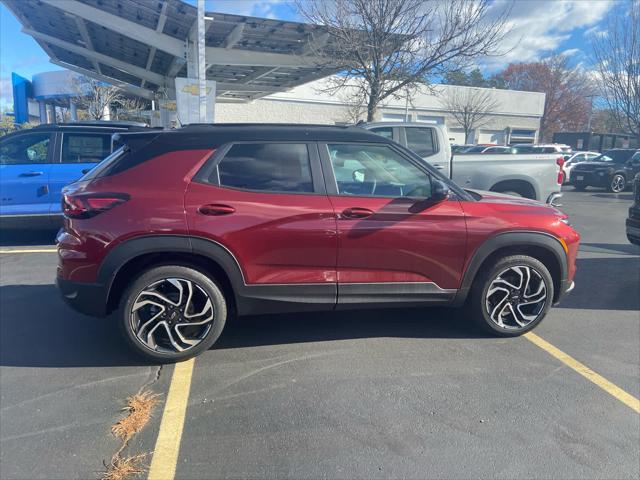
[633, 221]
[491, 149]
[460, 148]
[613, 170]
[571, 159]
[534, 176]
[541, 148]
[178, 229]
[36, 163]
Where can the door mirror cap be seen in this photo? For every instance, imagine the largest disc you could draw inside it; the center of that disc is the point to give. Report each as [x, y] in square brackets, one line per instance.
[439, 191]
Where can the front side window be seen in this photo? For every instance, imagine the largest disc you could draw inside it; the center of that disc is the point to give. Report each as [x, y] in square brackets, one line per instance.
[25, 149]
[376, 171]
[267, 167]
[85, 148]
[421, 140]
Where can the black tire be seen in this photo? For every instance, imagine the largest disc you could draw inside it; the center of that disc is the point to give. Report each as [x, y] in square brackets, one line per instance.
[581, 187]
[206, 287]
[476, 307]
[634, 240]
[618, 183]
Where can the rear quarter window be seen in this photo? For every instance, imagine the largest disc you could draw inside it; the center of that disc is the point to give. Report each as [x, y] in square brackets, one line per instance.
[266, 167]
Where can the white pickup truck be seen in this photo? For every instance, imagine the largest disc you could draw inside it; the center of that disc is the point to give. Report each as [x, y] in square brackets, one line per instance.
[530, 175]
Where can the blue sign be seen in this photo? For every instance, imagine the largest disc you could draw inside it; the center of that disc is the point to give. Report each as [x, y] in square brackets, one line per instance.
[21, 94]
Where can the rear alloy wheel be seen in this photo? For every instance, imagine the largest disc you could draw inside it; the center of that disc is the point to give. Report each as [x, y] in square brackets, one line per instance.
[171, 313]
[513, 296]
[618, 183]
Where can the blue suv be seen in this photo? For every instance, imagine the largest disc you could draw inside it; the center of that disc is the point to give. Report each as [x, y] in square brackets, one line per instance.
[36, 163]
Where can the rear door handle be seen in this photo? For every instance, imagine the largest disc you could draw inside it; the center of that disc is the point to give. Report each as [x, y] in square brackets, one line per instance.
[357, 212]
[31, 174]
[216, 209]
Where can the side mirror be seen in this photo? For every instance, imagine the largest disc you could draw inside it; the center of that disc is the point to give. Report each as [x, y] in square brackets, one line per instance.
[439, 191]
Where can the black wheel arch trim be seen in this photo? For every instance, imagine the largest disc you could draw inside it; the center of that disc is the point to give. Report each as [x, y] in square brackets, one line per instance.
[268, 298]
[511, 239]
[128, 250]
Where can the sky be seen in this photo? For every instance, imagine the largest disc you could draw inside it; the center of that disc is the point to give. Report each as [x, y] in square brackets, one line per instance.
[539, 28]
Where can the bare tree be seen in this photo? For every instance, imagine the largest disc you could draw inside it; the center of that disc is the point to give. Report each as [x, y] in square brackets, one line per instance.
[96, 97]
[568, 91]
[386, 45]
[130, 108]
[617, 55]
[471, 107]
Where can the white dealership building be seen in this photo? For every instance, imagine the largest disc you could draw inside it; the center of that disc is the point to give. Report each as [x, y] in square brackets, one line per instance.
[515, 118]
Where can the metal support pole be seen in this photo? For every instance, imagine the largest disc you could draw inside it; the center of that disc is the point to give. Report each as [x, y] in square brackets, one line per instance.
[202, 73]
[43, 111]
[73, 108]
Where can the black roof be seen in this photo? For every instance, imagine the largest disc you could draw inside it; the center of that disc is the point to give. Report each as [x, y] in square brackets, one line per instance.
[213, 135]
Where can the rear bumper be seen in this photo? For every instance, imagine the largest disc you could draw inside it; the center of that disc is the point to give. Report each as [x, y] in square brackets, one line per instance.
[87, 298]
[554, 199]
[30, 222]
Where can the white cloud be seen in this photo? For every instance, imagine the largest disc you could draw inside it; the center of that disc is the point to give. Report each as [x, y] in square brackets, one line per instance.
[539, 27]
[253, 8]
[572, 52]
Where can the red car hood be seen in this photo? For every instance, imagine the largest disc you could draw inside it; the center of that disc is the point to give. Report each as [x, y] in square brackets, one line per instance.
[502, 198]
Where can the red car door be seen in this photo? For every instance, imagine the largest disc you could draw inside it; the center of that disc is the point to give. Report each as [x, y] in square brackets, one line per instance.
[393, 243]
[266, 204]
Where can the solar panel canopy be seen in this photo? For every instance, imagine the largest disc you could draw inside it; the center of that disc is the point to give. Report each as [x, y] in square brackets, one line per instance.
[142, 45]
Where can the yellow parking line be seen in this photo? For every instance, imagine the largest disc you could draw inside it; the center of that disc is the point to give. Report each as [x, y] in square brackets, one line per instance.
[165, 455]
[613, 390]
[30, 250]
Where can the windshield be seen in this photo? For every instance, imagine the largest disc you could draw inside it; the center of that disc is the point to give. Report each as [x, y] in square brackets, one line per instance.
[476, 149]
[96, 171]
[615, 156]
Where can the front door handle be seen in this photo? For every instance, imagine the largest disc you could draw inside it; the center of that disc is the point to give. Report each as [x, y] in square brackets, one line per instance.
[31, 174]
[216, 209]
[357, 212]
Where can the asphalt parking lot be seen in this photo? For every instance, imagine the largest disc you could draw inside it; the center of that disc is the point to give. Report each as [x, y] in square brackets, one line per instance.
[371, 394]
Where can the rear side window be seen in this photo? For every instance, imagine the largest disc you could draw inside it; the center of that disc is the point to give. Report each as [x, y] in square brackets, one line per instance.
[26, 149]
[421, 140]
[267, 167]
[85, 148]
[386, 132]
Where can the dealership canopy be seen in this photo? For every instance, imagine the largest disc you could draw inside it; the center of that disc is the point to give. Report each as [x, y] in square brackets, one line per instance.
[142, 45]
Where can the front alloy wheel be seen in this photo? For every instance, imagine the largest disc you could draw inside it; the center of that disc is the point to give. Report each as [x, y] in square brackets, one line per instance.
[516, 297]
[511, 296]
[618, 183]
[172, 312]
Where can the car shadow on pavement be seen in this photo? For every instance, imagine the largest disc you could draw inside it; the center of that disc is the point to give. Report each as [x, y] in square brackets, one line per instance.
[605, 284]
[617, 196]
[262, 330]
[611, 248]
[38, 330]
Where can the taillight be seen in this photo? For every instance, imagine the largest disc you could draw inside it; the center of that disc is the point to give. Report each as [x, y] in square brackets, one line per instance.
[560, 163]
[90, 205]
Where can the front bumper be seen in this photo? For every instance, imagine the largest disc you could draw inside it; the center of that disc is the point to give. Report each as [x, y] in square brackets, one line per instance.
[87, 298]
[565, 288]
[593, 179]
[633, 229]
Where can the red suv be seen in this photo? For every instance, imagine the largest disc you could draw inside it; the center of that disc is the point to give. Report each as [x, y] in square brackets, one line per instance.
[177, 230]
